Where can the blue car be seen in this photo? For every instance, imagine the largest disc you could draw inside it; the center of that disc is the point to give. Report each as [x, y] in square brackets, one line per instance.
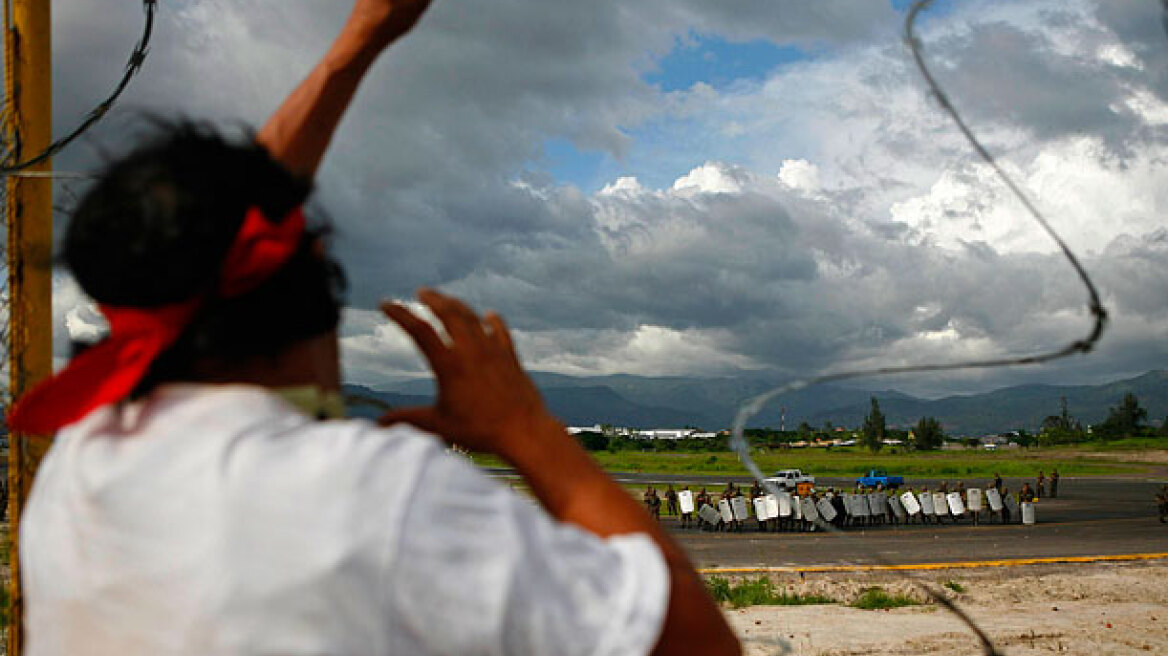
[879, 477]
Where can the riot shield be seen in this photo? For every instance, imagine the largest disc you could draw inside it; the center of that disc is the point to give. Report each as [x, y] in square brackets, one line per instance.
[1028, 516]
[994, 498]
[956, 505]
[760, 509]
[926, 500]
[940, 504]
[708, 514]
[738, 507]
[973, 499]
[772, 505]
[897, 509]
[725, 510]
[1011, 505]
[826, 510]
[910, 503]
[785, 504]
[810, 512]
[862, 508]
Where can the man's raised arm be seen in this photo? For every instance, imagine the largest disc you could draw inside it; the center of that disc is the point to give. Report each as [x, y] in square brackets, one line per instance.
[299, 132]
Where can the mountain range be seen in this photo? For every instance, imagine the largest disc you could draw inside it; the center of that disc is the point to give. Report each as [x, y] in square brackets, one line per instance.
[711, 403]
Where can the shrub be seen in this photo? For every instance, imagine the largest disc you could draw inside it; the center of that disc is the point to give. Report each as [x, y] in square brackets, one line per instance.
[758, 592]
[877, 599]
[719, 588]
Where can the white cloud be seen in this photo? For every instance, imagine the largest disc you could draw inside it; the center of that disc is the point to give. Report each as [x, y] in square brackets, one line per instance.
[75, 318]
[1119, 55]
[799, 174]
[623, 185]
[710, 178]
[646, 349]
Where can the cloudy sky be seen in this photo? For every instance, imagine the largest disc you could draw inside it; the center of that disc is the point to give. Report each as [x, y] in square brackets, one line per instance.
[687, 187]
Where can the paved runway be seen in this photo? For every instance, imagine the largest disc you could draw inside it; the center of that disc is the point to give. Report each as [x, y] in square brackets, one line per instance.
[1092, 516]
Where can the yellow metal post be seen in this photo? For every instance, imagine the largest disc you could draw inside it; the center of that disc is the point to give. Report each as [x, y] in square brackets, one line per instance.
[28, 58]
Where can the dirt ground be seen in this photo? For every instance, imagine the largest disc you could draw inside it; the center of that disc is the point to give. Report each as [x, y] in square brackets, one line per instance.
[1157, 456]
[1069, 609]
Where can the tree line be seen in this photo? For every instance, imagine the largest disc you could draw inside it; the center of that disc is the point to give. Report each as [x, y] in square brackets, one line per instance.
[1128, 419]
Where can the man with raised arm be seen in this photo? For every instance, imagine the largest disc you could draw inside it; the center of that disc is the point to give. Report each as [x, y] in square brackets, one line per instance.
[202, 495]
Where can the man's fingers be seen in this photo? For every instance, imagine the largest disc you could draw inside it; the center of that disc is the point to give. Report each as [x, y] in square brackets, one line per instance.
[419, 330]
[499, 331]
[462, 324]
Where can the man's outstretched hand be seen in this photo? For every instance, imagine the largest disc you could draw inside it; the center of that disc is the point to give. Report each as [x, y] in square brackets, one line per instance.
[388, 19]
[486, 402]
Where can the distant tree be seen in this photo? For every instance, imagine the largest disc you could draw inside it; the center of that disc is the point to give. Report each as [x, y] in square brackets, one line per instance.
[928, 434]
[1164, 428]
[661, 445]
[828, 427]
[1123, 420]
[1061, 428]
[592, 441]
[872, 434]
[620, 443]
[805, 429]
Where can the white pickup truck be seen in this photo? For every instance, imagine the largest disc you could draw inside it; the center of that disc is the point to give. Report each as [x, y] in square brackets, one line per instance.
[789, 479]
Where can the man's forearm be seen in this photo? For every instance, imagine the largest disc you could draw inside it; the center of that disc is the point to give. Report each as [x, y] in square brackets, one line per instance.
[298, 133]
[567, 482]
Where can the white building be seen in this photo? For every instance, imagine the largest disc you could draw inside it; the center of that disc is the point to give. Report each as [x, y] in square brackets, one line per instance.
[666, 433]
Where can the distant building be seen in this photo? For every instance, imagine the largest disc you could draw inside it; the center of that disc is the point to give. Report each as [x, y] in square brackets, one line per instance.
[645, 434]
[666, 433]
[996, 440]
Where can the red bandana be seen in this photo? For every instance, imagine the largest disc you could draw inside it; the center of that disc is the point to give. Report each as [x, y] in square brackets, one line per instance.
[110, 370]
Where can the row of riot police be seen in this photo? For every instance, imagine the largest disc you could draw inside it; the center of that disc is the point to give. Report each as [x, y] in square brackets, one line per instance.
[734, 510]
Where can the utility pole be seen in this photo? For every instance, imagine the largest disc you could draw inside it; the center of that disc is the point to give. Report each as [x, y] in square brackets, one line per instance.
[29, 217]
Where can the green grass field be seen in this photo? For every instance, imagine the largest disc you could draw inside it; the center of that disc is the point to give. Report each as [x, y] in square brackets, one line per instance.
[850, 462]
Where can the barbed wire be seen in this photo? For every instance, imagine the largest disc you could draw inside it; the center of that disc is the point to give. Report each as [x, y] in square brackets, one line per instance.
[137, 58]
[738, 441]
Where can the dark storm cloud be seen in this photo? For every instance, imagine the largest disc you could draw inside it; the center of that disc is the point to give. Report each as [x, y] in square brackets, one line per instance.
[1006, 74]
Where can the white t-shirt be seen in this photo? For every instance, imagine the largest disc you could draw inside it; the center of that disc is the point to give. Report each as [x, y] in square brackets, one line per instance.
[219, 520]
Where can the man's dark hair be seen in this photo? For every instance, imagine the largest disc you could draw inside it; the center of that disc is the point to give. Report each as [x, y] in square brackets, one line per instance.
[154, 230]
